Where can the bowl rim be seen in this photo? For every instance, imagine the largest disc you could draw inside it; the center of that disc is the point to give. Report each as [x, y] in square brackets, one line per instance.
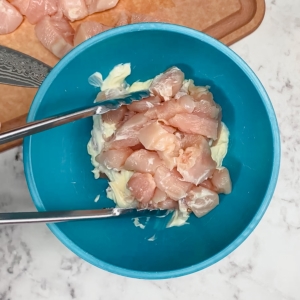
[275, 135]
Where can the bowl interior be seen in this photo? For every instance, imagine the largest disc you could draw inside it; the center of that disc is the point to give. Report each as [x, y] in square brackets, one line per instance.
[58, 168]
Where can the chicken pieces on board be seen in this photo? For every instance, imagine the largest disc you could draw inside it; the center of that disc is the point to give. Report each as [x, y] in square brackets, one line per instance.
[39, 13]
[73, 10]
[52, 18]
[10, 17]
[56, 36]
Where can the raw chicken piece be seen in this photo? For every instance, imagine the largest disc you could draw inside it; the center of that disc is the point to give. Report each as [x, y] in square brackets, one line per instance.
[114, 159]
[168, 83]
[134, 123]
[170, 108]
[10, 18]
[187, 102]
[137, 147]
[155, 137]
[158, 196]
[73, 9]
[200, 92]
[164, 111]
[190, 123]
[143, 161]
[127, 134]
[167, 204]
[129, 142]
[128, 115]
[142, 187]
[88, 29]
[184, 90]
[21, 5]
[115, 116]
[208, 185]
[190, 140]
[221, 181]
[201, 200]
[207, 96]
[195, 163]
[170, 129]
[56, 34]
[169, 158]
[100, 5]
[144, 104]
[171, 183]
[37, 9]
[207, 109]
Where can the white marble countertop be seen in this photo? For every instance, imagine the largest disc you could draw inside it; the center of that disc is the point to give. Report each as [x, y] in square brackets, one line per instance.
[35, 265]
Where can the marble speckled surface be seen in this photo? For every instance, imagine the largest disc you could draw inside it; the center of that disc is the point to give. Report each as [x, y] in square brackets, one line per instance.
[35, 265]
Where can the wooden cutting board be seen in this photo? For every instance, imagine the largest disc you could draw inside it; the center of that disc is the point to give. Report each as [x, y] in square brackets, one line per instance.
[226, 20]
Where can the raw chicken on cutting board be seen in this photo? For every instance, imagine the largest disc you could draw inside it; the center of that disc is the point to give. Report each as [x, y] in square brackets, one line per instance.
[10, 17]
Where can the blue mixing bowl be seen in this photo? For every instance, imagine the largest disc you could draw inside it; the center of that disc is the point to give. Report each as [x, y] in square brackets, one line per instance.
[58, 167]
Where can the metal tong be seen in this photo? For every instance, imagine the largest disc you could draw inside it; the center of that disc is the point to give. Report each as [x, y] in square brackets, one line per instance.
[75, 215]
[19, 69]
[97, 108]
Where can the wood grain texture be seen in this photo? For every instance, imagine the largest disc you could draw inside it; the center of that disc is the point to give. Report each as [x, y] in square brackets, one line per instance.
[228, 21]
